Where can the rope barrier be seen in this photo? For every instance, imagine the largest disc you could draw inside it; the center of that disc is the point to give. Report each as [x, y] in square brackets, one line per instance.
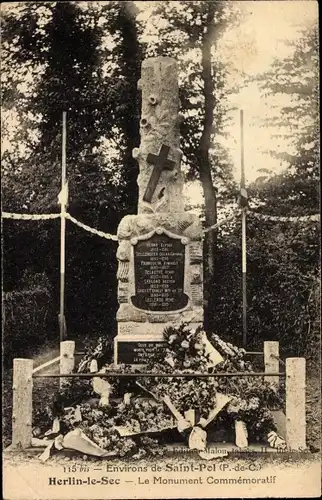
[90, 229]
[7, 215]
[108, 236]
[220, 223]
[277, 218]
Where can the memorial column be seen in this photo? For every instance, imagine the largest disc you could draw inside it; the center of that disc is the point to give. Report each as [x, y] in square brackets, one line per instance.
[160, 248]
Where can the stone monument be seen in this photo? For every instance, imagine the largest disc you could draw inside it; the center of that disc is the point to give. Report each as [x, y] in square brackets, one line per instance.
[160, 249]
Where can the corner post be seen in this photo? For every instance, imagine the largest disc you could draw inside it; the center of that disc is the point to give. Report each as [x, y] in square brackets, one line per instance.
[22, 403]
[295, 404]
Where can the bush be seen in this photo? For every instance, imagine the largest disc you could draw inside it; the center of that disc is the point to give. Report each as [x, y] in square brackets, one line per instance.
[91, 267]
[27, 320]
[313, 351]
[282, 285]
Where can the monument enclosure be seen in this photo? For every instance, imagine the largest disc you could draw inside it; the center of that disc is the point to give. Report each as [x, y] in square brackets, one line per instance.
[160, 249]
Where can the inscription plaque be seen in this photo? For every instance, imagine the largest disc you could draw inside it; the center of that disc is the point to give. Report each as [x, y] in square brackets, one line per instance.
[138, 352]
[159, 274]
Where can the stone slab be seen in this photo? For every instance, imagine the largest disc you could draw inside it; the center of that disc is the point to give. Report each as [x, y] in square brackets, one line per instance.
[137, 353]
[128, 313]
[159, 267]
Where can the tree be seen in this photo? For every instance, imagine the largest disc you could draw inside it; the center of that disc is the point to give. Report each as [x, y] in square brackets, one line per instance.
[202, 95]
[282, 255]
[61, 44]
[294, 81]
[127, 53]
[283, 272]
[52, 38]
[97, 86]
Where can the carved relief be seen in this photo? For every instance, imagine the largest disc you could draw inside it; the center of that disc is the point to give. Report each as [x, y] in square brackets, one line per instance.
[159, 127]
[122, 292]
[195, 274]
[180, 223]
[196, 294]
[142, 227]
[195, 252]
[124, 251]
[123, 271]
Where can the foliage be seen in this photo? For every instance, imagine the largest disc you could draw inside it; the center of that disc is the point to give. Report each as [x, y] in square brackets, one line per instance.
[312, 351]
[190, 31]
[282, 269]
[187, 353]
[100, 349]
[63, 48]
[99, 425]
[86, 58]
[26, 319]
[294, 83]
[173, 34]
[282, 256]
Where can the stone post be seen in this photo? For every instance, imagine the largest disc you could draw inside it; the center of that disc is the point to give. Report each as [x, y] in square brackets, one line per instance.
[67, 359]
[295, 404]
[271, 361]
[22, 403]
[160, 249]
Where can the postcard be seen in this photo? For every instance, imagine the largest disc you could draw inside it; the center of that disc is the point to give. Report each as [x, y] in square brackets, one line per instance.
[161, 250]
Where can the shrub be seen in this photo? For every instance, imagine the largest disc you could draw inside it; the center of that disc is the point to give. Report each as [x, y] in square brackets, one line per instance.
[27, 319]
[282, 285]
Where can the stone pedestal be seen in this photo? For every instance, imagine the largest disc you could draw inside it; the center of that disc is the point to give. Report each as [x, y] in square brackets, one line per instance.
[159, 280]
[160, 249]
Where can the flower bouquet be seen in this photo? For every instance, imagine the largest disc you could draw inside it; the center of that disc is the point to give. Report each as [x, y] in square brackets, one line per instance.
[90, 419]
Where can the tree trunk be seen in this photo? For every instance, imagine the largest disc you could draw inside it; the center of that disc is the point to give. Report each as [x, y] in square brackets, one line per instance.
[205, 168]
[131, 64]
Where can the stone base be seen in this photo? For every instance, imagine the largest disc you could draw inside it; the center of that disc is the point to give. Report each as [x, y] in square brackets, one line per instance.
[137, 343]
[136, 352]
[159, 281]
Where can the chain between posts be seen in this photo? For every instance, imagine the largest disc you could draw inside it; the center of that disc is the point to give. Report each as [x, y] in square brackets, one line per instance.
[15, 216]
[102, 234]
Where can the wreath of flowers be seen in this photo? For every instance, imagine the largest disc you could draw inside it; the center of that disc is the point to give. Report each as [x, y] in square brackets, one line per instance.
[131, 423]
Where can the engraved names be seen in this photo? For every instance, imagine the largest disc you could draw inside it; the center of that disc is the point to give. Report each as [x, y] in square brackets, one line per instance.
[159, 274]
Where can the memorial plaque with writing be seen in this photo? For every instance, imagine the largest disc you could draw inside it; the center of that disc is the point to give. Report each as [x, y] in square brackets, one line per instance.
[133, 352]
[159, 274]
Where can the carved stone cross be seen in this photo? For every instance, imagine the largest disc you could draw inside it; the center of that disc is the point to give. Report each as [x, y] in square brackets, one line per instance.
[160, 191]
[160, 162]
